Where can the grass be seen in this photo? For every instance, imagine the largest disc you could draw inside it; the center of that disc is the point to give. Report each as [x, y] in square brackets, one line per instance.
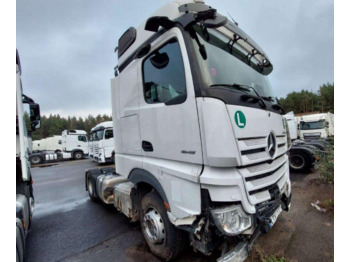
[274, 259]
[326, 166]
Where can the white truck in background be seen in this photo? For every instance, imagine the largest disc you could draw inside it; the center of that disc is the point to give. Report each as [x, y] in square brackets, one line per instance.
[316, 126]
[53, 143]
[103, 145]
[74, 146]
[200, 141]
[24, 181]
[92, 141]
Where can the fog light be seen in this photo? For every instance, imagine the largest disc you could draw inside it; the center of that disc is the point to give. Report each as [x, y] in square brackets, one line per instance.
[231, 220]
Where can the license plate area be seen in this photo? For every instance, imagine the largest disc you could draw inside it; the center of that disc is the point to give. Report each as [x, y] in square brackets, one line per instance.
[275, 215]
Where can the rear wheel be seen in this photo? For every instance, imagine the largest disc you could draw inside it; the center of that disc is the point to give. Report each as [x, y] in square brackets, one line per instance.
[162, 237]
[35, 160]
[91, 190]
[78, 155]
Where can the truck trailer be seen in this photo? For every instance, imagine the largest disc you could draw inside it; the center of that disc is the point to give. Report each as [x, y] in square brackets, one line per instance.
[53, 143]
[200, 141]
[24, 181]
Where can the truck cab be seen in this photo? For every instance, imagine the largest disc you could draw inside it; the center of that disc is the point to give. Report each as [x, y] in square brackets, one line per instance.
[200, 141]
[316, 126]
[103, 142]
[75, 142]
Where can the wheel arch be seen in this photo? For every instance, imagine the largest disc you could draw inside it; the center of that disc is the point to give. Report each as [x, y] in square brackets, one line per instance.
[145, 181]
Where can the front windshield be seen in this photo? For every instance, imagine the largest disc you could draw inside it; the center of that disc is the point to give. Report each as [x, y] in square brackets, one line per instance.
[99, 134]
[312, 125]
[222, 66]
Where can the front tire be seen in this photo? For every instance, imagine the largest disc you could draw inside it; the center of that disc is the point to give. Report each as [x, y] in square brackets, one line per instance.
[162, 237]
[78, 155]
[299, 161]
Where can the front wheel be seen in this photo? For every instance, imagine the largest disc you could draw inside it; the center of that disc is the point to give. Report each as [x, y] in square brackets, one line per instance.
[299, 161]
[78, 155]
[162, 237]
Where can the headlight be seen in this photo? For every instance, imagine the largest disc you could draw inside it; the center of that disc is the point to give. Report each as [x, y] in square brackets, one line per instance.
[231, 220]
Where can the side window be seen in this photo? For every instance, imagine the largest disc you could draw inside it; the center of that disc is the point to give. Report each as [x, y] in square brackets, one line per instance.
[109, 134]
[82, 138]
[164, 76]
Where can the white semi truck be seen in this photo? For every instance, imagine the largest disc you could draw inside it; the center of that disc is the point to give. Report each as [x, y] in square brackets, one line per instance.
[200, 142]
[24, 188]
[103, 144]
[303, 153]
[316, 126]
[74, 146]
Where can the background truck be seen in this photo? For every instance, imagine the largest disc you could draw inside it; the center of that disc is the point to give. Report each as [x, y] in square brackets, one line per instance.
[303, 154]
[74, 146]
[316, 126]
[92, 141]
[24, 189]
[200, 141]
[103, 146]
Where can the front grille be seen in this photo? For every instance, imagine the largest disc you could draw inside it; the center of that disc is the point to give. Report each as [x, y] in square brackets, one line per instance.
[260, 173]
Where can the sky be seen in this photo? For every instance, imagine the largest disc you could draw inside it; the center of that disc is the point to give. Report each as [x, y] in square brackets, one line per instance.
[67, 46]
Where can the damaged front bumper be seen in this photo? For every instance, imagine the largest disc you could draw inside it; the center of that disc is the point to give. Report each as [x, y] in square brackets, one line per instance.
[264, 222]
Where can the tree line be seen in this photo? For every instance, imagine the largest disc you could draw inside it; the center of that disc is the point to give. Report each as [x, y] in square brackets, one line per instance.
[308, 102]
[55, 124]
[299, 102]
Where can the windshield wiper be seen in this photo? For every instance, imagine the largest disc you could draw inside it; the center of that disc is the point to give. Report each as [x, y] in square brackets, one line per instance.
[235, 86]
[268, 98]
[244, 88]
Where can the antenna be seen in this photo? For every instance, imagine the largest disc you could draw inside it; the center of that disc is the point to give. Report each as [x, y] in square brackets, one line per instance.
[232, 19]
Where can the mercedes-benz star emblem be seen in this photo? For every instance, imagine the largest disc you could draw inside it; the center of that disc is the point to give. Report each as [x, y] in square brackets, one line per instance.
[271, 144]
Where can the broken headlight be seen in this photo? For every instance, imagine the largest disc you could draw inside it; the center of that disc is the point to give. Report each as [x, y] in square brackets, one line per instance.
[231, 220]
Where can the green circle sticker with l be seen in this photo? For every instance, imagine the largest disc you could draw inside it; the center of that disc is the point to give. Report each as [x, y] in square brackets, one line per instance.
[240, 119]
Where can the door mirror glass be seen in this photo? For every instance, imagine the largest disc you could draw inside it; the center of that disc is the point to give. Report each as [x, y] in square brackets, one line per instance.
[35, 116]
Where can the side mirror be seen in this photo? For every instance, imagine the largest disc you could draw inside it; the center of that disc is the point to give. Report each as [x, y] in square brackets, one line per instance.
[160, 60]
[60, 142]
[34, 116]
[327, 124]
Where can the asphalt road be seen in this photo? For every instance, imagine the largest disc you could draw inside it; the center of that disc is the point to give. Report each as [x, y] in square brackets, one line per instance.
[68, 226]
[66, 222]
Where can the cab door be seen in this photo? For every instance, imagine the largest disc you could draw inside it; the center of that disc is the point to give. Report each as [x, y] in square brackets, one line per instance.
[167, 107]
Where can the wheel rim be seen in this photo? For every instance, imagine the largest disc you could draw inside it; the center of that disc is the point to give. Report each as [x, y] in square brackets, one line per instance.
[36, 160]
[154, 226]
[297, 162]
[78, 155]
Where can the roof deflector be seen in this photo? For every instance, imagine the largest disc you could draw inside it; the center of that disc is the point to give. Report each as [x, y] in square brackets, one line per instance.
[194, 13]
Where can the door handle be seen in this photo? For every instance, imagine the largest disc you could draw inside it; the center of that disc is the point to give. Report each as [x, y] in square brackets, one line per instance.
[147, 146]
[79, 145]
